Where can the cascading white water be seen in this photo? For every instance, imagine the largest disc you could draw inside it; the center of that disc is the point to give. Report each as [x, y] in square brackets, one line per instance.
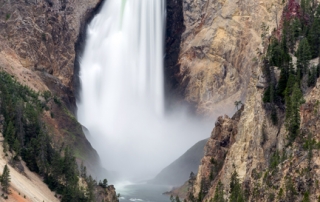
[122, 61]
[122, 91]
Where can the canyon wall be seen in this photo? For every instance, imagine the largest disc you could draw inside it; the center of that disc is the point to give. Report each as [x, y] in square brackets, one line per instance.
[219, 47]
[249, 144]
[40, 35]
[255, 148]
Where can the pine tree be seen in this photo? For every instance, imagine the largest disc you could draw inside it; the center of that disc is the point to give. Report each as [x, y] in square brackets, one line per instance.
[294, 32]
[219, 193]
[236, 193]
[83, 170]
[9, 133]
[5, 179]
[293, 119]
[282, 84]
[312, 76]
[104, 183]
[16, 147]
[305, 6]
[275, 53]
[90, 189]
[306, 197]
[314, 34]
[70, 168]
[303, 57]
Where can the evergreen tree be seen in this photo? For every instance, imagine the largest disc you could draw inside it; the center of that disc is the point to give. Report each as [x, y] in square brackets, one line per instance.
[282, 84]
[236, 193]
[83, 171]
[276, 54]
[314, 34]
[219, 193]
[70, 168]
[175, 199]
[303, 57]
[294, 31]
[293, 119]
[305, 6]
[9, 133]
[26, 134]
[290, 189]
[306, 197]
[312, 76]
[288, 92]
[16, 147]
[5, 179]
[90, 188]
[104, 183]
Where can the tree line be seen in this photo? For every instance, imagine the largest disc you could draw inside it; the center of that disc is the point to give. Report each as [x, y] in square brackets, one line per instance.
[295, 79]
[27, 136]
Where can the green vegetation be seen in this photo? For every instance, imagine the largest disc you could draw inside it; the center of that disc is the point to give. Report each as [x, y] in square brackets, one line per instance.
[298, 36]
[46, 95]
[215, 168]
[5, 179]
[236, 193]
[275, 160]
[26, 135]
[287, 93]
[219, 193]
[280, 194]
[271, 197]
[291, 192]
[192, 179]
[303, 55]
[104, 183]
[203, 191]
[57, 101]
[238, 104]
[264, 137]
[175, 199]
[8, 16]
[306, 197]
[44, 38]
[293, 99]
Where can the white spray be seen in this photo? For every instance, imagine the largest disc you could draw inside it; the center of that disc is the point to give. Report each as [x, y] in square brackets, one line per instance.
[122, 91]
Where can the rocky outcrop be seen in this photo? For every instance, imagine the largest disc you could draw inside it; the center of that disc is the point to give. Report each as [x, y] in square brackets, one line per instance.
[41, 36]
[222, 138]
[211, 69]
[106, 194]
[268, 168]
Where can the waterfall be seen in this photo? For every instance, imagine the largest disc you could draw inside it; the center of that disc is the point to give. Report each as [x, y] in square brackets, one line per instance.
[122, 91]
[124, 45]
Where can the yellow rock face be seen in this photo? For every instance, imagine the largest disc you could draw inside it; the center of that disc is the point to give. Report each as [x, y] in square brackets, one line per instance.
[220, 48]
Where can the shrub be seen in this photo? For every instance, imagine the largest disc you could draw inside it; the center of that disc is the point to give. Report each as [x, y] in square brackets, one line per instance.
[8, 16]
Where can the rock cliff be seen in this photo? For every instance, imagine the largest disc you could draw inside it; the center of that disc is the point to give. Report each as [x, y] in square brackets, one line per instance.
[268, 170]
[268, 166]
[41, 35]
[211, 69]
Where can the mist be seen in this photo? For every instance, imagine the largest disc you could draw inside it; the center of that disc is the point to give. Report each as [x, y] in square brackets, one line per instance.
[122, 92]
